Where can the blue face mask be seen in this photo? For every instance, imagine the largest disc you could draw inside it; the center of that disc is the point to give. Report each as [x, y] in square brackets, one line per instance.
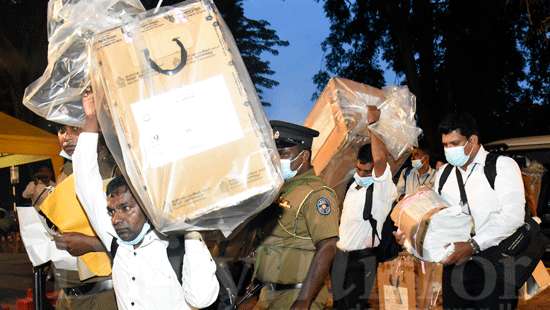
[416, 163]
[363, 181]
[456, 156]
[139, 237]
[286, 171]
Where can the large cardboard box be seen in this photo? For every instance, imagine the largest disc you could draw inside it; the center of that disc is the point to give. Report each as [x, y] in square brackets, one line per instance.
[407, 283]
[189, 126]
[340, 116]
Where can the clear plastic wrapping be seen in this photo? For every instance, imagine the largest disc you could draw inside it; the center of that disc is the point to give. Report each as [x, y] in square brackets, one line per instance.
[408, 283]
[397, 125]
[430, 224]
[181, 116]
[340, 116]
[56, 95]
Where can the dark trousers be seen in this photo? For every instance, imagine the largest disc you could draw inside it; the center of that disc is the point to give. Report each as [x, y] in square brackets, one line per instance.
[353, 275]
[477, 284]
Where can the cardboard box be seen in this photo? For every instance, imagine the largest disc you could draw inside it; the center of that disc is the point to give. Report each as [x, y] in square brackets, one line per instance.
[340, 116]
[194, 140]
[396, 284]
[413, 214]
[536, 284]
[407, 283]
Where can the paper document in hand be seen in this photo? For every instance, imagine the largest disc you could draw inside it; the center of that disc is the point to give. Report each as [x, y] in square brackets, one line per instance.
[38, 241]
[63, 209]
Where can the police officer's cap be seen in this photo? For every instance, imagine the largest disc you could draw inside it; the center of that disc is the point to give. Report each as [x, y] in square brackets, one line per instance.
[288, 134]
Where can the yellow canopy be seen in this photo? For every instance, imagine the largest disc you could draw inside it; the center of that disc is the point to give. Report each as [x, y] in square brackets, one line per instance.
[20, 138]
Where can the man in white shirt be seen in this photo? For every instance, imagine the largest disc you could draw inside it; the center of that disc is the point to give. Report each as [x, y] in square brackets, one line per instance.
[420, 173]
[143, 276]
[470, 280]
[354, 268]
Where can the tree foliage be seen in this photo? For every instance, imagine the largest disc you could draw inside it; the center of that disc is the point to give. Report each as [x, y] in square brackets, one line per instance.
[490, 58]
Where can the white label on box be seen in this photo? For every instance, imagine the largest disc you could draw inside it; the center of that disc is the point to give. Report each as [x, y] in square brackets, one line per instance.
[186, 121]
[395, 298]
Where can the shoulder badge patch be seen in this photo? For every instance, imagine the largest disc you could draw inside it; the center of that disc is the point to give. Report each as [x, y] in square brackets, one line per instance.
[323, 206]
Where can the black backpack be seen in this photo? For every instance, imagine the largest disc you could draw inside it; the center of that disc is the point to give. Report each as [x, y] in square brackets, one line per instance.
[388, 248]
[490, 171]
[527, 244]
[175, 252]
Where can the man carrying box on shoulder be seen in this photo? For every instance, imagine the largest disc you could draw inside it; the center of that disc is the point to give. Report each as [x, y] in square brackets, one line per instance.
[143, 275]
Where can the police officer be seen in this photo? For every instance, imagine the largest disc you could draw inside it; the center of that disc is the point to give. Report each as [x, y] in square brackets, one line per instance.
[294, 259]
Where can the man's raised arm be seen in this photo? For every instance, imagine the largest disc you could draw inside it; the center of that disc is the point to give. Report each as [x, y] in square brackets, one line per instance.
[88, 182]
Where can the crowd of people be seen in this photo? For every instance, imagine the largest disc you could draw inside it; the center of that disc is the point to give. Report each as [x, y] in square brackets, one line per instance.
[311, 235]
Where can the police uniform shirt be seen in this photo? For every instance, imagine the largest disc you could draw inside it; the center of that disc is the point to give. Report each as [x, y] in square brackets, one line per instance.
[143, 277]
[414, 181]
[308, 214]
[496, 213]
[355, 232]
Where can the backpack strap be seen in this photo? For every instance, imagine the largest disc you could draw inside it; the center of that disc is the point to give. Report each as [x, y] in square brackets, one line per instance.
[114, 248]
[406, 173]
[444, 175]
[175, 252]
[490, 168]
[367, 212]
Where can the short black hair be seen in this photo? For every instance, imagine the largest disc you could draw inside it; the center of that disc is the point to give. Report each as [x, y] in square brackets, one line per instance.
[364, 155]
[424, 147]
[115, 183]
[462, 122]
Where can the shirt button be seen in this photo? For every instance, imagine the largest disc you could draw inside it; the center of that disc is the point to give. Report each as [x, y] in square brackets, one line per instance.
[132, 303]
[135, 253]
[133, 278]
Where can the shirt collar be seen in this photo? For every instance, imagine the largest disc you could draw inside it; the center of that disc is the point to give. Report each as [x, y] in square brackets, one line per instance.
[480, 156]
[149, 238]
[65, 155]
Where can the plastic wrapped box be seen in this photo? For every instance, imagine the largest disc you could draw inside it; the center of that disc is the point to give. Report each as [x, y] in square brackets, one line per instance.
[182, 118]
[397, 123]
[56, 95]
[408, 283]
[340, 116]
[430, 224]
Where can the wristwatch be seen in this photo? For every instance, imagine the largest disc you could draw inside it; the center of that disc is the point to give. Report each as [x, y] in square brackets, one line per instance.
[474, 246]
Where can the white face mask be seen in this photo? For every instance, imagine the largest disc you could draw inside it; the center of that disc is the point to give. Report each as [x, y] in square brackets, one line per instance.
[144, 230]
[363, 181]
[286, 170]
[416, 163]
[456, 156]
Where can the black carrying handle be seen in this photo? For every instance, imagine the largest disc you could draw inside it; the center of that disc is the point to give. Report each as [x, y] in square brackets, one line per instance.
[157, 68]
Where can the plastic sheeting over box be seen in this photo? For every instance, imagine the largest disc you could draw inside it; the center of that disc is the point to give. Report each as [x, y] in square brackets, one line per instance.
[431, 225]
[340, 116]
[397, 123]
[56, 95]
[408, 283]
[182, 118]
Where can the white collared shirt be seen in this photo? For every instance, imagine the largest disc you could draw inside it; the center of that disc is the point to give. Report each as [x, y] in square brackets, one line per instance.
[143, 278]
[356, 233]
[414, 181]
[496, 213]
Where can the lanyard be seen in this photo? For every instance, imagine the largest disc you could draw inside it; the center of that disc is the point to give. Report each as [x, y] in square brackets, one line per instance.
[426, 179]
[461, 187]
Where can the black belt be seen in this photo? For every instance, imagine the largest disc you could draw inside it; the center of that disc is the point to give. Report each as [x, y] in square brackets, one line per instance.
[358, 254]
[281, 287]
[89, 288]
